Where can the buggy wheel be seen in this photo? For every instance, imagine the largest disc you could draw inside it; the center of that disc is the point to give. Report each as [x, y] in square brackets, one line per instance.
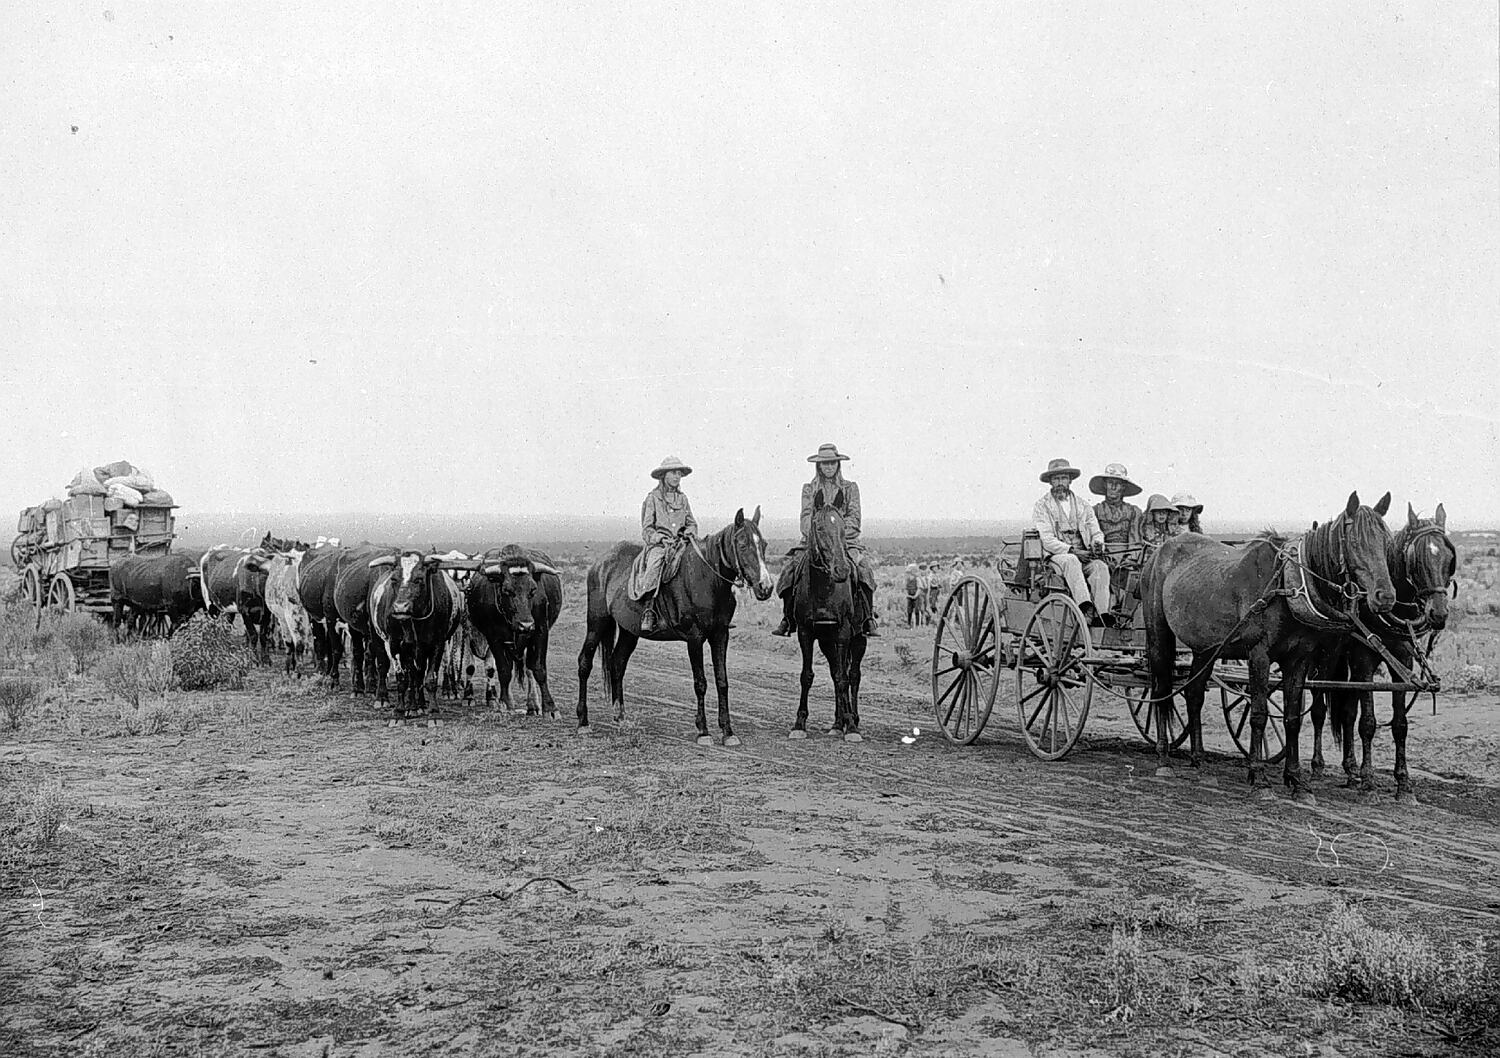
[60, 596]
[1143, 712]
[966, 661]
[1234, 695]
[1054, 686]
[31, 587]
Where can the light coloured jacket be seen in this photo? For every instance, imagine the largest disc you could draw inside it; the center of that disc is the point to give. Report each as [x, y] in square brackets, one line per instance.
[830, 487]
[663, 513]
[1067, 524]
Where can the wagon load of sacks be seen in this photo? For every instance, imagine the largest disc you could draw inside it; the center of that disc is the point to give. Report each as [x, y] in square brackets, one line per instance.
[122, 484]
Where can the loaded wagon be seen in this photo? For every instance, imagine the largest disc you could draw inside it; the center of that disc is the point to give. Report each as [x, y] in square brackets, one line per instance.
[1021, 625]
[64, 548]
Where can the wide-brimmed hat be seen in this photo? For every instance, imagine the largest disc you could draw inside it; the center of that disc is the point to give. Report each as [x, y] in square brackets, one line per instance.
[1060, 466]
[1119, 473]
[671, 463]
[1183, 499]
[1158, 502]
[827, 454]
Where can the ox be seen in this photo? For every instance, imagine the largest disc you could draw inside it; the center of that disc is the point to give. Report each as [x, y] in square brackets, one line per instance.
[282, 570]
[155, 587]
[415, 607]
[316, 581]
[232, 586]
[513, 604]
[354, 579]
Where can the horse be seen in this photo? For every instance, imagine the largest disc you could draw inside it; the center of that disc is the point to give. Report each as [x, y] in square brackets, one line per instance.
[1423, 564]
[1269, 601]
[695, 606]
[823, 606]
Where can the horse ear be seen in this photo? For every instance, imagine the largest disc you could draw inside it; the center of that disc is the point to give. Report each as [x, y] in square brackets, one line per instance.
[739, 518]
[838, 498]
[756, 519]
[1383, 506]
[1411, 516]
[1352, 507]
[1441, 517]
[818, 501]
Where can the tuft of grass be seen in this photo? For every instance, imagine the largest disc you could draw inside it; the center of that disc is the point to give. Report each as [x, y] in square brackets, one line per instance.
[43, 810]
[1126, 980]
[139, 675]
[1360, 963]
[19, 696]
[1151, 913]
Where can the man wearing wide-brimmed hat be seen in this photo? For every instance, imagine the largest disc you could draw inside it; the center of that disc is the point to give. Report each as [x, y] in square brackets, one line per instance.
[828, 481]
[1120, 522]
[1073, 541]
[666, 519]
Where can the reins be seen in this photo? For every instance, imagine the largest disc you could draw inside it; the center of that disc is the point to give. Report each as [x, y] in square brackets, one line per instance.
[740, 580]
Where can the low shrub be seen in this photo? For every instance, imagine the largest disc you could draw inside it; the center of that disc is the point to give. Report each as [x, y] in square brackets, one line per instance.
[43, 810]
[83, 636]
[19, 695]
[137, 672]
[207, 654]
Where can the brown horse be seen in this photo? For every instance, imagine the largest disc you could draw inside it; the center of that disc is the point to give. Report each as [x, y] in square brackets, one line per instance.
[1423, 564]
[1269, 601]
[823, 606]
[695, 606]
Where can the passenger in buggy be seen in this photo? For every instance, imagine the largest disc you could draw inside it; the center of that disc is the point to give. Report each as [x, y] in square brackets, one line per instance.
[1156, 529]
[1188, 510]
[1073, 541]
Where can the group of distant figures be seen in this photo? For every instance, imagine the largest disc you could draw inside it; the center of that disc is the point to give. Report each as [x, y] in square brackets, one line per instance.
[925, 586]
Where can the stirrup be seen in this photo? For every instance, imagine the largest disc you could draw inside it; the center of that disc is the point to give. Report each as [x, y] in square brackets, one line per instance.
[871, 629]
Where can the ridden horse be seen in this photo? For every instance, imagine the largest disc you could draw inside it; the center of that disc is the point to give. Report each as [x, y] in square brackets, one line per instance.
[1423, 564]
[823, 607]
[696, 605]
[1269, 601]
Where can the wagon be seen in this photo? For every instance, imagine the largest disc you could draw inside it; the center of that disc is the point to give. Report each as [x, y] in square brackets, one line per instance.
[1020, 624]
[64, 548]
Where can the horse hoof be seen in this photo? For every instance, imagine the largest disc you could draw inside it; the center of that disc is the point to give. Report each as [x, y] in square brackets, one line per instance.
[393, 723]
[853, 736]
[552, 715]
[705, 740]
[1164, 772]
[584, 730]
[732, 740]
[796, 734]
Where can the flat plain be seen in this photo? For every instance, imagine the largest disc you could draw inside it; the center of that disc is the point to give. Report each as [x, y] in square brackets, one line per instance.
[272, 869]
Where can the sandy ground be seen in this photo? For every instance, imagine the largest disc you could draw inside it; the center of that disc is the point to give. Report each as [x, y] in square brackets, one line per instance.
[294, 877]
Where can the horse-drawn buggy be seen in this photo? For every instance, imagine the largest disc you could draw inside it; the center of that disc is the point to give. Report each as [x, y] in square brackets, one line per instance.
[1020, 625]
[64, 548]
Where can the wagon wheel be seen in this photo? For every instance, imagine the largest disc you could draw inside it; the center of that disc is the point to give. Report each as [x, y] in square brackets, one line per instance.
[1053, 683]
[60, 596]
[1143, 712]
[18, 554]
[31, 587]
[1234, 694]
[966, 661]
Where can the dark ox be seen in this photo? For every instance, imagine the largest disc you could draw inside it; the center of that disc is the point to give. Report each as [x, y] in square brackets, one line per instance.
[316, 580]
[352, 586]
[233, 582]
[156, 588]
[415, 606]
[513, 602]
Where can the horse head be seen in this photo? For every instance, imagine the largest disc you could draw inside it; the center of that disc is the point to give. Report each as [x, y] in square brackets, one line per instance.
[1426, 563]
[1362, 542]
[748, 552]
[826, 548]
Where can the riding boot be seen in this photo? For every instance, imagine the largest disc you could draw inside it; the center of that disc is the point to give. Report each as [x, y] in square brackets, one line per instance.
[648, 613]
[787, 625]
[868, 627]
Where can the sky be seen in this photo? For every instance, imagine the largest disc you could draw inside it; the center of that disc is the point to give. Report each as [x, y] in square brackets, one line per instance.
[503, 259]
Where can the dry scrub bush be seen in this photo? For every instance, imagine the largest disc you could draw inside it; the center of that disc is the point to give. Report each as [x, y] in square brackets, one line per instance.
[206, 654]
[83, 636]
[43, 810]
[139, 675]
[1360, 963]
[18, 697]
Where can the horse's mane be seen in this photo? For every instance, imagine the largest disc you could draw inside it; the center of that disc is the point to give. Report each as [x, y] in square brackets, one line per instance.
[1274, 537]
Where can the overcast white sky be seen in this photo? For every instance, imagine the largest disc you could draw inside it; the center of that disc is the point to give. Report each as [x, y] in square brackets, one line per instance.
[475, 258]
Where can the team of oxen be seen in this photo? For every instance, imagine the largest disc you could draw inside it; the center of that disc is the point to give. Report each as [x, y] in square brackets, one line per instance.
[401, 610]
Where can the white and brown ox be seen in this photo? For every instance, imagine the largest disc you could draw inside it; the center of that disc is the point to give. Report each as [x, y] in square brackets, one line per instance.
[282, 569]
[415, 608]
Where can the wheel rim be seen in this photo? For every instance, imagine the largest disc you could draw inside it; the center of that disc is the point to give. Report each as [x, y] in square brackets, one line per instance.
[1235, 698]
[1053, 685]
[31, 583]
[1143, 712]
[965, 674]
[60, 595]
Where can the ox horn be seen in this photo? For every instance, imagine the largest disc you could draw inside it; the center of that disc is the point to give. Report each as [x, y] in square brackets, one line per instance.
[383, 560]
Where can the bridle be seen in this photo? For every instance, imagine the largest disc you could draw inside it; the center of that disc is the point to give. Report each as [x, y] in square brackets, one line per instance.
[739, 580]
[839, 572]
[1410, 565]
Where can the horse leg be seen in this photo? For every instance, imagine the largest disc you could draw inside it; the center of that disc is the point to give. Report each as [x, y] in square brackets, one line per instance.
[700, 688]
[1293, 678]
[856, 661]
[805, 641]
[537, 659]
[1259, 667]
[624, 647]
[1161, 659]
[1404, 793]
[1319, 712]
[718, 644]
[838, 665]
[598, 635]
[1192, 696]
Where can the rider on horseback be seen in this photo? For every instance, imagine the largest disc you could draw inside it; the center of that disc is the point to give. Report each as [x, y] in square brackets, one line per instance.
[666, 518]
[828, 481]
